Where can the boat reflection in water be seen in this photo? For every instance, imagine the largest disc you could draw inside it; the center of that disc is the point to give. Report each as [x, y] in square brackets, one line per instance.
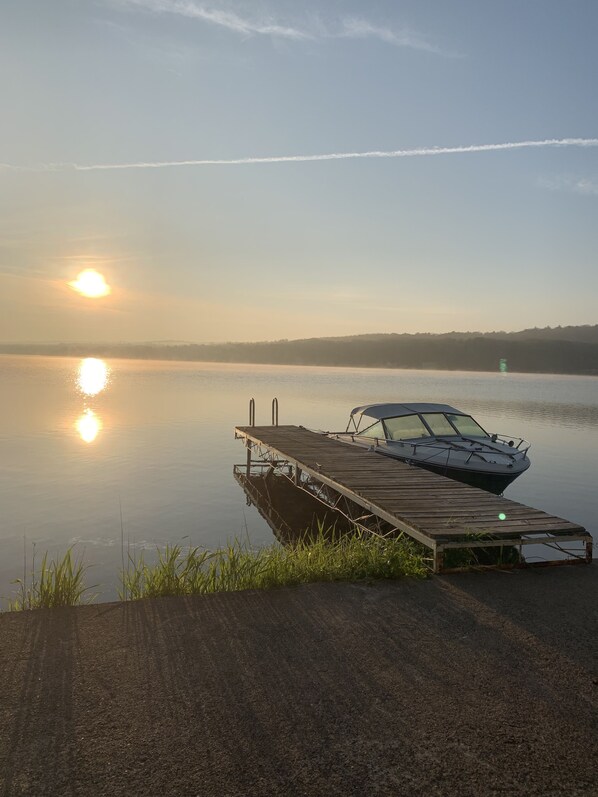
[93, 376]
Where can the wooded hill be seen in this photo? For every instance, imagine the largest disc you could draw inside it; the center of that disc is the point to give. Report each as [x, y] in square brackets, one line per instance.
[560, 350]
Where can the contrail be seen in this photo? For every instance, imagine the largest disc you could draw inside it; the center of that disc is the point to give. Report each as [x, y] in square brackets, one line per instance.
[328, 156]
[332, 156]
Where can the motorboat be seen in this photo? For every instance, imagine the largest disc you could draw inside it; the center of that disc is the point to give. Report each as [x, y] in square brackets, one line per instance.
[439, 438]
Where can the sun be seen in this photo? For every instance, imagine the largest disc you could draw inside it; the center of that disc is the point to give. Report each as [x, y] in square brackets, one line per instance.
[90, 283]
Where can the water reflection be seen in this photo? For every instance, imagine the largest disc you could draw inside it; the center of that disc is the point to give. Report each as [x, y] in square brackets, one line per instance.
[558, 414]
[292, 514]
[88, 425]
[93, 376]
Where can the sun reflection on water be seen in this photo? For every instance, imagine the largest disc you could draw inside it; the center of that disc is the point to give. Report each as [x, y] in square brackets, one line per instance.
[88, 425]
[93, 376]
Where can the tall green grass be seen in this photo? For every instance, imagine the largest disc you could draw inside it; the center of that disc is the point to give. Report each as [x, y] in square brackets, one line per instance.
[355, 557]
[325, 556]
[59, 582]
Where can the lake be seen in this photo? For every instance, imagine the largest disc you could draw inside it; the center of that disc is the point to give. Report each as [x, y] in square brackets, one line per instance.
[92, 449]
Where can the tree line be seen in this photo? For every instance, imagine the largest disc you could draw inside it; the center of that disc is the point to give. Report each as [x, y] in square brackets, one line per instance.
[544, 352]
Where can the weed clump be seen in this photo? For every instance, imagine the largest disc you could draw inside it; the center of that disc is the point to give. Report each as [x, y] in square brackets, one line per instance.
[325, 557]
[59, 582]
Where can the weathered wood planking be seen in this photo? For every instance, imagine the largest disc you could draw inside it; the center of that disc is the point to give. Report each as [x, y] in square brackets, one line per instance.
[432, 506]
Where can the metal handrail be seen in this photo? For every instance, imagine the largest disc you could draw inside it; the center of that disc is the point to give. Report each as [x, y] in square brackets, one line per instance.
[520, 442]
[274, 412]
[454, 447]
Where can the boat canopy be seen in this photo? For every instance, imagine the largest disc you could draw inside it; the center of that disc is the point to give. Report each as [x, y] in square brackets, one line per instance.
[381, 411]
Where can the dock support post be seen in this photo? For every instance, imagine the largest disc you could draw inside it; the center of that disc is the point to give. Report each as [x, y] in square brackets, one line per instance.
[248, 458]
[297, 475]
[589, 551]
[438, 560]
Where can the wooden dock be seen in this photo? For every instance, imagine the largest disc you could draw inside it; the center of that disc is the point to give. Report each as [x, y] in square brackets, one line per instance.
[436, 511]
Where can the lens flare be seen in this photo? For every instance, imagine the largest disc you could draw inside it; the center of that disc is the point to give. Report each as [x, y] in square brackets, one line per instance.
[88, 426]
[91, 284]
[502, 516]
[93, 376]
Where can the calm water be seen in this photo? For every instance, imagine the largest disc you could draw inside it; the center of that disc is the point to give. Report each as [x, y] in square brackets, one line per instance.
[82, 441]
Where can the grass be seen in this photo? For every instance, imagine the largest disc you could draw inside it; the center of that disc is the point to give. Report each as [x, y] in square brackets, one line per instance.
[325, 557]
[60, 582]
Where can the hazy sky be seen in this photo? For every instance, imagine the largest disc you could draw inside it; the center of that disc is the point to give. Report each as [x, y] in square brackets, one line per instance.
[483, 239]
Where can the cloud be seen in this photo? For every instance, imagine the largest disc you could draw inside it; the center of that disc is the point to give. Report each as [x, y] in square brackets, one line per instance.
[585, 186]
[373, 154]
[40, 167]
[224, 19]
[355, 28]
[350, 28]
[576, 185]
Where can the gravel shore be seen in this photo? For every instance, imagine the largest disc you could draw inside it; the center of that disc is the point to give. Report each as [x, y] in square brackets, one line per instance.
[472, 684]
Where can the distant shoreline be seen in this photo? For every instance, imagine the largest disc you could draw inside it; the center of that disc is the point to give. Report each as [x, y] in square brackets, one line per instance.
[569, 351]
[200, 361]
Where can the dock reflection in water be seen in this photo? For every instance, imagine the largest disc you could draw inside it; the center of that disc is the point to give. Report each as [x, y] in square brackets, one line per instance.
[292, 514]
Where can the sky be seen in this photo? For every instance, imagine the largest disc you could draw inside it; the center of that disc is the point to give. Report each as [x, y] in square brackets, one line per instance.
[182, 150]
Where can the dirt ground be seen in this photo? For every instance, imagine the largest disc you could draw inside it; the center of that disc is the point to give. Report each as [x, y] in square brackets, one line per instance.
[475, 684]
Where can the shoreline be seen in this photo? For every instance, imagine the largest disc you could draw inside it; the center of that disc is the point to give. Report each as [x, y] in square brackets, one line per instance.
[86, 352]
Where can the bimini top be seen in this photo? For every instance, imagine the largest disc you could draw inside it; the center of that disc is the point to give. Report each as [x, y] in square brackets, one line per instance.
[380, 411]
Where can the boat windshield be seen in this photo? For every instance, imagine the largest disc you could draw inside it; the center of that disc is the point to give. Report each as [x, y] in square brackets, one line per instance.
[406, 427]
[466, 426]
[428, 424]
[377, 430]
[439, 424]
